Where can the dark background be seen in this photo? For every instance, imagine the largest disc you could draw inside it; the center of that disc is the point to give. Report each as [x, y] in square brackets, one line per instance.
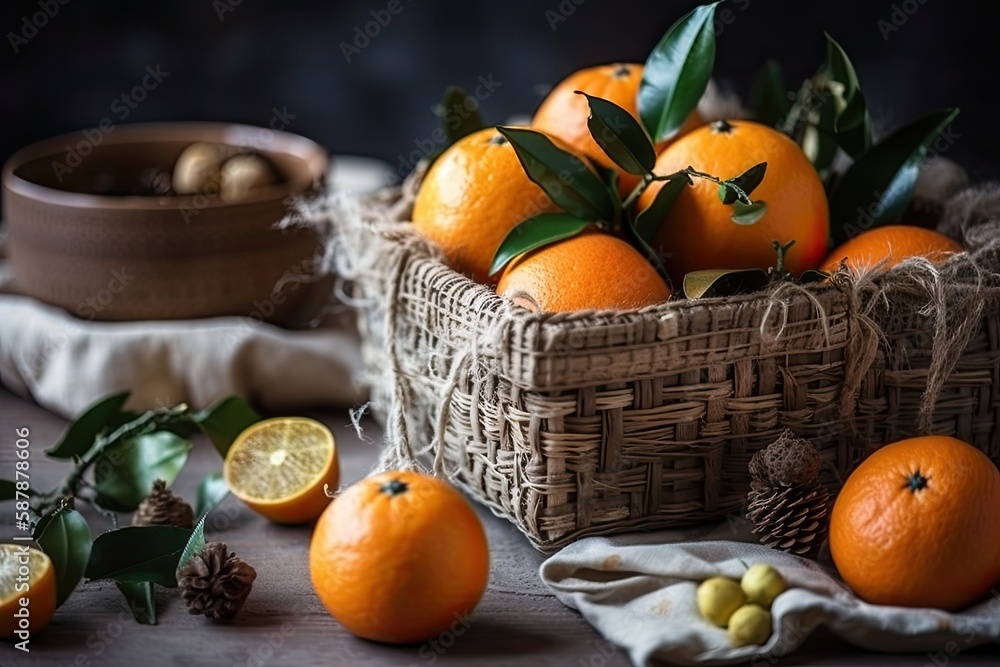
[288, 54]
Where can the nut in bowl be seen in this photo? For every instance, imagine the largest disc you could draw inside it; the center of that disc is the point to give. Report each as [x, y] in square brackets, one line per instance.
[145, 226]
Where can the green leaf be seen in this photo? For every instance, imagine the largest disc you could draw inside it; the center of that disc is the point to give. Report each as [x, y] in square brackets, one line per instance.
[877, 188]
[610, 177]
[620, 136]
[727, 195]
[138, 554]
[649, 220]
[44, 521]
[677, 73]
[81, 433]
[723, 282]
[751, 178]
[536, 232]
[856, 140]
[769, 96]
[853, 125]
[819, 139]
[224, 420]
[140, 599]
[65, 537]
[837, 115]
[121, 418]
[748, 214]
[124, 473]
[459, 118]
[564, 177]
[194, 544]
[747, 182]
[839, 69]
[211, 492]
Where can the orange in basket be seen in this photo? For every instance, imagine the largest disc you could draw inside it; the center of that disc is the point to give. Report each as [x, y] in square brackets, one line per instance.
[887, 246]
[590, 271]
[699, 233]
[471, 198]
[563, 113]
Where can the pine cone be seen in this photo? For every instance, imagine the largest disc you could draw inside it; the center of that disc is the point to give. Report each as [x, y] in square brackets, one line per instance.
[163, 508]
[215, 584]
[794, 518]
[786, 461]
[787, 503]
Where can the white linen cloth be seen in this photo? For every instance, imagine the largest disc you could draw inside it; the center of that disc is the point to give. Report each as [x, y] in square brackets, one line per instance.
[65, 363]
[638, 591]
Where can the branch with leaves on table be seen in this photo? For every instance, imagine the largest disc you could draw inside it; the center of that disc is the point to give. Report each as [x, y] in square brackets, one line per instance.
[117, 456]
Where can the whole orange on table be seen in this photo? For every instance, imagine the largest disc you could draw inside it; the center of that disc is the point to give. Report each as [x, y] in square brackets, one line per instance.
[699, 233]
[591, 271]
[563, 113]
[916, 525]
[473, 195]
[885, 247]
[399, 557]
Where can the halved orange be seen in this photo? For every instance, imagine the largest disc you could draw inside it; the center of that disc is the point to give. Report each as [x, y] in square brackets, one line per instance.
[279, 468]
[25, 572]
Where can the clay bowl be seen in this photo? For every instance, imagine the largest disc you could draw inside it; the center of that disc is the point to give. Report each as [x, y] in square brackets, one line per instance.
[128, 257]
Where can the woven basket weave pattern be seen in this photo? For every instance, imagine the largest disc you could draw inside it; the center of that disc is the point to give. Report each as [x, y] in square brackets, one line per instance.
[574, 425]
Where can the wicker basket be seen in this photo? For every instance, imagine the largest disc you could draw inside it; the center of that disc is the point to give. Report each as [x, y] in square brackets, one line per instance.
[594, 423]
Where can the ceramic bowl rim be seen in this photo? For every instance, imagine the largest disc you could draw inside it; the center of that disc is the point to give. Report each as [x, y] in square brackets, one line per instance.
[315, 159]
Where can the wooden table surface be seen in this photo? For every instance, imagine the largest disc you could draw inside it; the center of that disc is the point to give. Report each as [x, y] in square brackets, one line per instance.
[283, 623]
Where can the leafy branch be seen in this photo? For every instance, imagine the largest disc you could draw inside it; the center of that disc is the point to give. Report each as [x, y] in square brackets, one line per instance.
[588, 200]
[116, 456]
[159, 419]
[459, 117]
[675, 77]
[828, 117]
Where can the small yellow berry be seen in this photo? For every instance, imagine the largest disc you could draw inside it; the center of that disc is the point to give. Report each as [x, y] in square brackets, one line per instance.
[750, 624]
[718, 598]
[762, 583]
